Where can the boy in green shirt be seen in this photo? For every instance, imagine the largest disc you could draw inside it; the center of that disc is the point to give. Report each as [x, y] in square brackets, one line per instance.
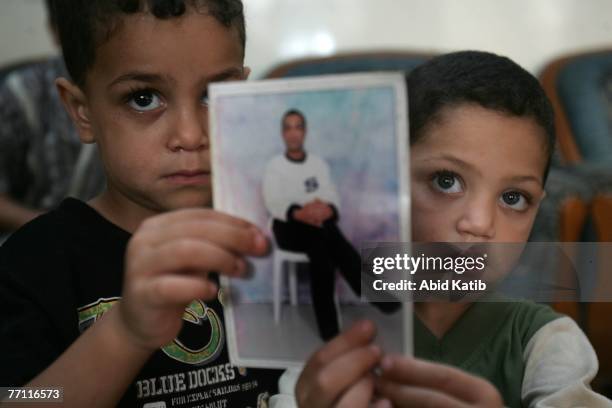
[482, 135]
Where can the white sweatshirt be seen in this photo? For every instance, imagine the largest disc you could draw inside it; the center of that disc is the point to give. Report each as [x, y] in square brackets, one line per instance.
[288, 183]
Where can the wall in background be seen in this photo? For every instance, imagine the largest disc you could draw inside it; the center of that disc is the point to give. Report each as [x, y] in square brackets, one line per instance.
[23, 30]
[530, 31]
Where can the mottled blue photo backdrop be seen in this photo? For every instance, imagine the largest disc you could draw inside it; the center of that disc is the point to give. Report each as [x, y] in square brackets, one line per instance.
[354, 130]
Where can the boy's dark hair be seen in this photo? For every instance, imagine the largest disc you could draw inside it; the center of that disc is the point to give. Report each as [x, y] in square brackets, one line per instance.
[292, 112]
[84, 24]
[51, 14]
[480, 78]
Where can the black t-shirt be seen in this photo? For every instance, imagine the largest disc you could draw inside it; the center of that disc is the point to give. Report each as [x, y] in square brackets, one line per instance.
[62, 271]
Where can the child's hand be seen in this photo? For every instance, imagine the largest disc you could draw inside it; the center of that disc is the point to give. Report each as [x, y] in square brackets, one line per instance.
[408, 382]
[339, 374]
[167, 263]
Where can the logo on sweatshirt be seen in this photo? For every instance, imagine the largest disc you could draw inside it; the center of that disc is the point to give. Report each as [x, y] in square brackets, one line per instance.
[200, 341]
[311, 184]
[200, 322]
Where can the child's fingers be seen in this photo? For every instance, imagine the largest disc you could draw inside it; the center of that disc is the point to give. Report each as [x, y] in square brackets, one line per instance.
[408, 396]
[446, 379]
[186, 256]
[358, 395]
[179, 290]
[325, 386]
[152, 312]
[191, 214]
[346, 369]
[382, 403]
[307, 392]
[358, 335]
[237, 239]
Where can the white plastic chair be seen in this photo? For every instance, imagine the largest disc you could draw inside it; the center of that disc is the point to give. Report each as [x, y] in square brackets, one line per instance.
[281, 257]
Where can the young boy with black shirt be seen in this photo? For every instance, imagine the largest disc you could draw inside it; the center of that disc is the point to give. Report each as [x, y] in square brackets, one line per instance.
[100, 298]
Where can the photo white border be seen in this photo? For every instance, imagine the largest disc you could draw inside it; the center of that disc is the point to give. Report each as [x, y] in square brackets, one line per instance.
[316, 83]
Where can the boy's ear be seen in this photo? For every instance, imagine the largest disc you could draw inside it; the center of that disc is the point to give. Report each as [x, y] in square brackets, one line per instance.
[75, 103]
[246, 71]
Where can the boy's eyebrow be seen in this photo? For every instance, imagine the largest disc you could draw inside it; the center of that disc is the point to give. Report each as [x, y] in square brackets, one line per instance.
[519, 179]
[232, 72]
[136, 76]
[141, 76]
[455, 160]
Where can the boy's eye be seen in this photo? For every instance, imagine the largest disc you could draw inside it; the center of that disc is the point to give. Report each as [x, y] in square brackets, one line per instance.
[514, 200]
[447, 182]
[144, 101]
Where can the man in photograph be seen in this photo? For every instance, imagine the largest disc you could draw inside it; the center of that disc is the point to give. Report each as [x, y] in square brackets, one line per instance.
[303, 201]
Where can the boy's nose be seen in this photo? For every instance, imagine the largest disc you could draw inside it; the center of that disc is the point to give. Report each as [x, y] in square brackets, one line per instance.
[190, 131]
[477, 221]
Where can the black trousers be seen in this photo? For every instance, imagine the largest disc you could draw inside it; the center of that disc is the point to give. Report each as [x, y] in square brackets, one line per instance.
[327, 250]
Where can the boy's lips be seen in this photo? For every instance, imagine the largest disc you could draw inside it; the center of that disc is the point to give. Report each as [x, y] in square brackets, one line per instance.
[189, 177]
